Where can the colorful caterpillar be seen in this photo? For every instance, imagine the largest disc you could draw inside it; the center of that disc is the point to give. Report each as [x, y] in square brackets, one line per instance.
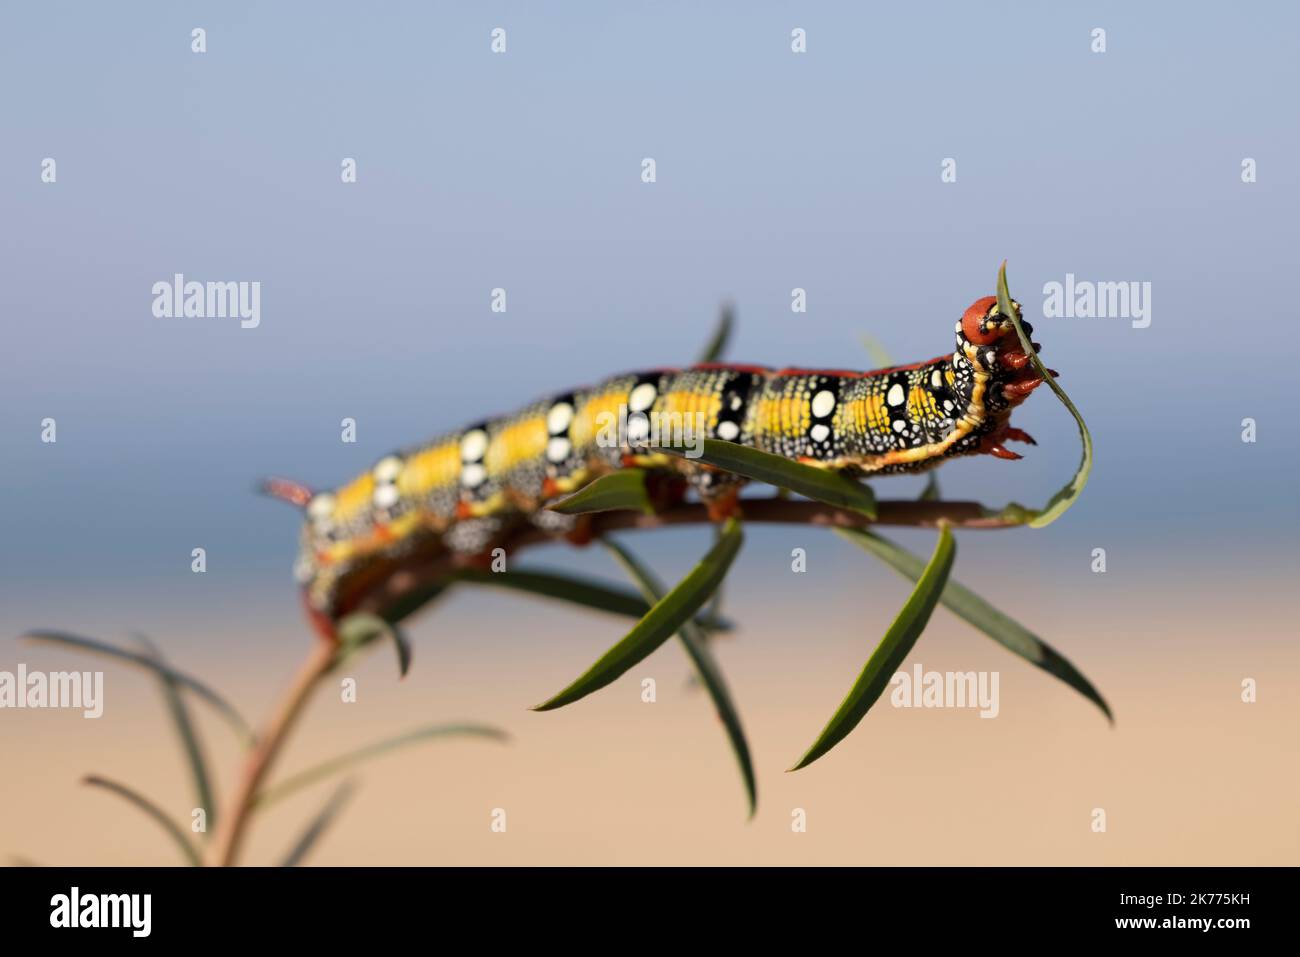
[465, 491]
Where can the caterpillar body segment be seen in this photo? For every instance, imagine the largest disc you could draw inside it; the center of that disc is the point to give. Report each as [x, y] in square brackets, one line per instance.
[469, 489]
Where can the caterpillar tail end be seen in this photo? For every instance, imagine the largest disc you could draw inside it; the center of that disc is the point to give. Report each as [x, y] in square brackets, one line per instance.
[286, 490]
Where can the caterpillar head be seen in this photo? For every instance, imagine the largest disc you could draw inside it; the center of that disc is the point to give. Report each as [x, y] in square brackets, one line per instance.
[983, 325]
[987, 340]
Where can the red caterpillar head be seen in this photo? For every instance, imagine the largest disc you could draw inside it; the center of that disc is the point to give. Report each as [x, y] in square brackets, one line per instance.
[984, 325]
[987, 340]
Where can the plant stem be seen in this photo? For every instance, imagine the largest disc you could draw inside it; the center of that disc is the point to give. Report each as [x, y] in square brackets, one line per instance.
[417, 572]
[234, 822]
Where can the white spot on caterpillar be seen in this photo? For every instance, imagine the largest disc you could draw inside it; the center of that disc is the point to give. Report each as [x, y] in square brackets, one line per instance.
[321, 506]
[900, 425]
[823, 403]
[819, 432]
[638, 428]
[388, 469]
[473, 445]
[642, 397]
[947, 405]
[386, 496]
[472, 474]
[728, 431]
[936, 380]
[895, 396]
[558, 449]
[558, 419]
[736, 403]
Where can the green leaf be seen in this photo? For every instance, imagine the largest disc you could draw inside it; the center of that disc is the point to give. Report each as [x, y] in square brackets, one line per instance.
[661, 621]
[721, 336]
[617, 491]
[1062, 500]
[577, 591]
[931, 491]
[715, 605]
[964, 603]
[359, 629]
[150, 808]
[187, 733]
[892, 650]
[319, 825]
[695, 641]
[408, 603]
[819, 484]
[880, 357]
[1012, 514]
[224, 708]
[352, 758]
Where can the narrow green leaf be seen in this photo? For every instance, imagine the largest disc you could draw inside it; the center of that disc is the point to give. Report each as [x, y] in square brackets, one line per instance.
[224, 708]
[150, 808]
[577, 591]
[662, 620]
[695, 641]
[880, 357]
[319, 825]
[892, 650]
[188, 734]
[407, 604]
[721, 336]
[344, 761]
[1014, 513]
[1062, 500]
[714, 612]
[617, 491]
[931, 491]
[819, 484]
[358, 630]
[964, 603]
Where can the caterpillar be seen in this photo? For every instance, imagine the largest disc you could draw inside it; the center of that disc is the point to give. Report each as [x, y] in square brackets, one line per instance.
[465, 490]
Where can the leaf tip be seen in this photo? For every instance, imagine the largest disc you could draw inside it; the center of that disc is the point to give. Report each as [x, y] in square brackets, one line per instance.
[802, 763]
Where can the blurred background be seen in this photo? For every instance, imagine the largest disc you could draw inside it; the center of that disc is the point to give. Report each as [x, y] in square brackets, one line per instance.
[775, 170]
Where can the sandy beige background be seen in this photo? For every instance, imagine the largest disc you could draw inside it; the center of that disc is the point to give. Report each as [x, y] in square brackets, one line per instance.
[1189, 774]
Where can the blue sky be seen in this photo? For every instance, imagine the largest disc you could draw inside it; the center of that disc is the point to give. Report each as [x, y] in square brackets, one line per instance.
[522, 171]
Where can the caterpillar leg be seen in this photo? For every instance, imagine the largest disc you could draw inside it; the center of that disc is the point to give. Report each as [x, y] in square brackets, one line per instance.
[1018, 389]
[575, 529]
[992, 444]
[1018, 435]
[665, 489]
[998, 451]
[724, 506]
[719, 491]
